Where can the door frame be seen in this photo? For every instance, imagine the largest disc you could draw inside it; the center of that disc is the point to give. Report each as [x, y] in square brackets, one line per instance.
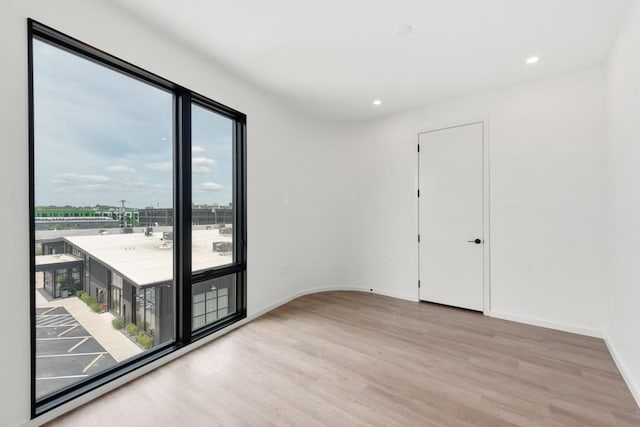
[486, 217]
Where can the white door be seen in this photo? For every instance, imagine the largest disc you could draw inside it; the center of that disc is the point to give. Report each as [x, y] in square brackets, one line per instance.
[451, 216]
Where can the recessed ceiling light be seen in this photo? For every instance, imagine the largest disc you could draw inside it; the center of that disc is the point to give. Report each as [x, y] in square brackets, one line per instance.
[532, 60]
[404, 30]
[377, 102]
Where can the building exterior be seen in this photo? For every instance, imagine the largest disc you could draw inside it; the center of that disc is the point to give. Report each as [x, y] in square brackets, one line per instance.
[62, 274]
[200, 214]
[131, 275]
[48, 218]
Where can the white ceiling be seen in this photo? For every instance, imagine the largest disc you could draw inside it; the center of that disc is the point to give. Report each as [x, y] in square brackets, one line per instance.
[331, 58]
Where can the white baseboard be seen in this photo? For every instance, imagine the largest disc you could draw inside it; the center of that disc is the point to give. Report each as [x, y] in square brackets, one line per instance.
[298, 295]
[546, 324]
[622, 367]
[328, 289]
[414, 298]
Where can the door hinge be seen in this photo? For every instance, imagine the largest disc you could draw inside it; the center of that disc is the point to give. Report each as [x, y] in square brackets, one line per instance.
[418, 148]
[418, 192]
[418, 284]
[418, 238]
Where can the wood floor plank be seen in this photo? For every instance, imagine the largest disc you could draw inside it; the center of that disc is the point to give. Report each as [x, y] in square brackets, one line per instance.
[349, 358]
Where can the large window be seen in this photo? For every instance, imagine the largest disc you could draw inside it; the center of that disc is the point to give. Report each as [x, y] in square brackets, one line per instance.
[137, 217]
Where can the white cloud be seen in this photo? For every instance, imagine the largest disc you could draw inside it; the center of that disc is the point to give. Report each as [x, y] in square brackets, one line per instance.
[120, 169]
[197, 149]
[200, 161]
[76, 179]
[201, 169]
[160, 166]
[210, 186]
[75, 183]
[75, 189]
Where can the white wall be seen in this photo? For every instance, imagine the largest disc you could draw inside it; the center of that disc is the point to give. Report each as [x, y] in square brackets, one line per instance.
[547, 191]
[335, 205]
[296, 186]
[623, 114]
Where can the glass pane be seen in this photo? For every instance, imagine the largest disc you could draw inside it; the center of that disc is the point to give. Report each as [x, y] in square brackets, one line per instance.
[102, 153]
[217, 299]
[212, 317]
[198, 322]
[212, 305]
[223, 301]
[212, 214]
[198, 309]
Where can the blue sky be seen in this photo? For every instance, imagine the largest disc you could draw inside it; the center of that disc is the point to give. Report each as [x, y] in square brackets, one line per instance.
[102, 137]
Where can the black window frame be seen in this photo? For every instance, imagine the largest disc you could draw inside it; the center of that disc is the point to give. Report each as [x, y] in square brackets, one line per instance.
[182, 204]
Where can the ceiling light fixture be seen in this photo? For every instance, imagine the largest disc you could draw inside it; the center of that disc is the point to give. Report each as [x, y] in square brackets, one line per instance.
[532, 60]
[377, 102]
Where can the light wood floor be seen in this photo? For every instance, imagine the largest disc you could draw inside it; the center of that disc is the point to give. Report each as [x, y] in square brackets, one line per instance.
[348, 358]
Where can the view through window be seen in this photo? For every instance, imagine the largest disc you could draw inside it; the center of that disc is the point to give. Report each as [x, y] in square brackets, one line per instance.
[103, 145]
[106, 236]
[212, 213]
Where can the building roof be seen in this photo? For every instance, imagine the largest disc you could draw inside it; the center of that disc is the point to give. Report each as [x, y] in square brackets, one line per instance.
[145, 259]
[43, 261]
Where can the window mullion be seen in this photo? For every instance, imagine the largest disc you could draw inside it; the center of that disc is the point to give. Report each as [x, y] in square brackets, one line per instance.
[182, 217]
[240, 201]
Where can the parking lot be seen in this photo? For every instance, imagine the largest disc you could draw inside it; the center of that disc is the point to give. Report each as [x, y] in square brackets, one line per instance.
[65, 352]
